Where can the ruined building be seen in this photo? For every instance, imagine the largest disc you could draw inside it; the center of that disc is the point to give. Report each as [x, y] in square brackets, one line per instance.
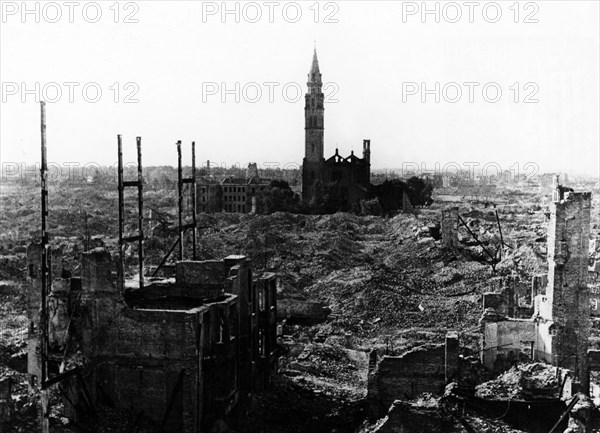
[558, 331]
[349, 177]
[427, 368]
[232, 194]
[551, 324]
[185, 352]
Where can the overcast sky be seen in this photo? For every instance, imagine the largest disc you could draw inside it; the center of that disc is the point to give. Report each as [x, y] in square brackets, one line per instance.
[181, 65]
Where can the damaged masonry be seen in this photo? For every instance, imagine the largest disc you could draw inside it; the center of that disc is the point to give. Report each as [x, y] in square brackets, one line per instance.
[224, 345]
[556, 333]
[559, 329]
[185, 352]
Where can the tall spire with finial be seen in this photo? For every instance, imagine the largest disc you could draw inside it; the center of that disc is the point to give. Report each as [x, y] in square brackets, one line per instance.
[314, 113]
[314, 76]
[315, 61]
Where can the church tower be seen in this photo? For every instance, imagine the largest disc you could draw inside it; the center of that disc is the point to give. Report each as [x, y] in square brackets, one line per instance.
[314, 130]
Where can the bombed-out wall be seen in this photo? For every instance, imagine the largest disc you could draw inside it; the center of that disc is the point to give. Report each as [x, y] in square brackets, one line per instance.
[559, 329]
[423, 369]
[183, 353]
[567, 303]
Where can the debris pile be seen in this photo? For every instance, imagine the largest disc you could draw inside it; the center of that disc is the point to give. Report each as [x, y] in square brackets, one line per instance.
[524, 382]
[335, 370]
[389, 284]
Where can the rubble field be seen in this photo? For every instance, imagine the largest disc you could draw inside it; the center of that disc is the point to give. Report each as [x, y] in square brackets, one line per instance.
[387, 282]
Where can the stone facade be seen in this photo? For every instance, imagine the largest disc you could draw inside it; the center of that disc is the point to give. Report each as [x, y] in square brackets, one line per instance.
[238, 193]
[232, 194]
[209, 196]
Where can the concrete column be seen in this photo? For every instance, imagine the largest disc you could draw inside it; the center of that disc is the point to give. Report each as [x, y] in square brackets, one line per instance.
[451, 365]
[449, 228]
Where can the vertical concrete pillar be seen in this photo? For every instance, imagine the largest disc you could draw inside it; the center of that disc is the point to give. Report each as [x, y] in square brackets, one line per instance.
[451, 364]
[450, 228]
[6, 403]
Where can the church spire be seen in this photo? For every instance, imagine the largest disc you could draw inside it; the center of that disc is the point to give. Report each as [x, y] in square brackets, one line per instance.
[315, 63]
[314, 76]
[314, 115]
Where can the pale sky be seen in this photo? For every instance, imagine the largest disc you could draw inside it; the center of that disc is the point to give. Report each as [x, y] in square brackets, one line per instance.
[178, 61]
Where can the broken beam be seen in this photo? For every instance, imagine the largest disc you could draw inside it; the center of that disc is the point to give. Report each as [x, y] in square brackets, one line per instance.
[164, 260]
[59, 378]
[565, 413]
[477, 239]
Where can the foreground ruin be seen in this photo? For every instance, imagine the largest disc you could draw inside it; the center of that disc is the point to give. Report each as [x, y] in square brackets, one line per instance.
[372, 273]
[556, 333]
[185, 352]
[195, 350]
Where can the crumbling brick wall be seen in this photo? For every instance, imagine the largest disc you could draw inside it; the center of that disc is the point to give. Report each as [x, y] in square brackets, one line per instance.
[407, 417]
[423, 369]
[514, 299]
[567, 292]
